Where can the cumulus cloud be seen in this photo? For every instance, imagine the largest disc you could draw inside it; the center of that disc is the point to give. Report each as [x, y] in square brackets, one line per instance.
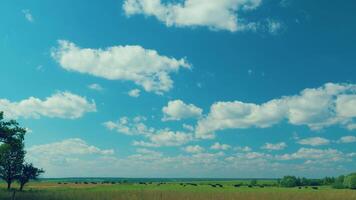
[191, 13]
[75, 157]
[347, 139]
[146, 155]
[193, 149]
[95, 86]
[72, 146]
[274, 147]
[314, 141]
[60, 105]
[156, 137]
[144, 67]
[243, 148]
[317, 108]
[321, 155]
[218, 146]
[170, 138]
[134, 93]
[177, 110]
[130, 127]
[69, 157]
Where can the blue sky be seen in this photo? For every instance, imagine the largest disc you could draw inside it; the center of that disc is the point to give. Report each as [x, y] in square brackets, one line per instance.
[138, 88]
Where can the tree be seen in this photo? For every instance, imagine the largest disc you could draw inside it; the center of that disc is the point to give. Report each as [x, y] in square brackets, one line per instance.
[289, 181]
[10, 130]
[11, 159]
[328, 181]
[253, 182]
[12, 154]
[29, 172]
[350, 181]
[304, 182]
[339, 182]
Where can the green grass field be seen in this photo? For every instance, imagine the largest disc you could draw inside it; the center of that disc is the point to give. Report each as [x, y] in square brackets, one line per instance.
[172, 191]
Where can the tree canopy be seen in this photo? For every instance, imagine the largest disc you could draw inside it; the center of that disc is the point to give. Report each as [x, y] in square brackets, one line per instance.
[12, 154]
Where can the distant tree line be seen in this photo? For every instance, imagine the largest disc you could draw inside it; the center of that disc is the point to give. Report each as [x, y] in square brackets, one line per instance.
[341, 182]
[12, 155]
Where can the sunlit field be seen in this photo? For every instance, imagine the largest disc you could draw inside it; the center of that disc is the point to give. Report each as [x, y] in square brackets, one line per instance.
[224, 190]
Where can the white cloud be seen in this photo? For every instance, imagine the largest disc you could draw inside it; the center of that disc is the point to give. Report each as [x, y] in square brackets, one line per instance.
[193, 149]
[170, 138]
[177, 110]
[273, 26]
[144, 67]
[274, 147]
[95, 86]
[130, 127]
[331, 104]
[314, 141]
[72, 146]
[218, 146]
[144, 144]
[347, 139]
[28, 15]
[321, 155]
[243, 149]
[188, 127]
[146, 155]
[134, 93]
[191, 13]
[156, 137]
[351, 127]
[74, 157]
[70, 157]
[59, 105]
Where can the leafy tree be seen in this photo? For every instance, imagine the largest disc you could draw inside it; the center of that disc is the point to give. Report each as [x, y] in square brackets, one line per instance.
[328, 180]
[12, 154]
[10, 130]
[29, 172]
[289, 181]
[304, 182]
[11, 159]
[339, 182]
[253, 182]
[350, 181]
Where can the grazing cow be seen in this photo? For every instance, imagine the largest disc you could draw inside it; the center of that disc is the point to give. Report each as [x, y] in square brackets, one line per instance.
[315, 188]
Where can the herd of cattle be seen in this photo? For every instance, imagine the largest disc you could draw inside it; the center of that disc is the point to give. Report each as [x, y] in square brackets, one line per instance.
[216, 185]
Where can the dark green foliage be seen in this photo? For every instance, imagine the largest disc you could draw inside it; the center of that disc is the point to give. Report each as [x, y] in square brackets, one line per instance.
[11, 158]
[289, 181]
[339, 182]
[28, 172]
[350, 181]
[10, 130]
[328, 181]
[12, 154]
[253, 182]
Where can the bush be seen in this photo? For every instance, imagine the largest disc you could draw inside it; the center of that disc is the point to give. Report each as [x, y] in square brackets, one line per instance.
[350, 181]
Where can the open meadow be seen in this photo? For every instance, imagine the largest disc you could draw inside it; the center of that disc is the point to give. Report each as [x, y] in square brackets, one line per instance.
[202, 190]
